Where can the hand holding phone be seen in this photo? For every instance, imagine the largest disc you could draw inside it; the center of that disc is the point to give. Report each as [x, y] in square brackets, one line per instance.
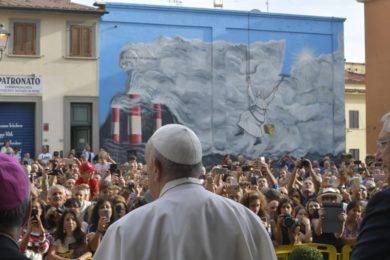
[103, 213]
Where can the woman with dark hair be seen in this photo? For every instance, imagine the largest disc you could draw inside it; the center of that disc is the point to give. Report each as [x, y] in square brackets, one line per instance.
[305, 230]
[312, 207]
[103, 215]
[284, 228]
[70, 240]
[35, 243]
[352, 222]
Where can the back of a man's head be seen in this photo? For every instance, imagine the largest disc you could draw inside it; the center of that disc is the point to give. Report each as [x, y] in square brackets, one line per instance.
[178, 150]
[386, 122]
[14, 193]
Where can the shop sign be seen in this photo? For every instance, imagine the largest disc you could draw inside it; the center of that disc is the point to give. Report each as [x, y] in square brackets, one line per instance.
[28, 84]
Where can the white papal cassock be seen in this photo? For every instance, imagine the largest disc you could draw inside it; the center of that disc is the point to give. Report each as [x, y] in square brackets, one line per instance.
[187, 222]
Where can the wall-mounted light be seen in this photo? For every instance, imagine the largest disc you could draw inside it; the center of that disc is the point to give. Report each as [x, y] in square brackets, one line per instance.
[4, 35]
[218, 3]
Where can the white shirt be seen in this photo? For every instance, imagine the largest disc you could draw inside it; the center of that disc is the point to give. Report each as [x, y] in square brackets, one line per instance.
[102, 168]
[187, 222]
[44, 158]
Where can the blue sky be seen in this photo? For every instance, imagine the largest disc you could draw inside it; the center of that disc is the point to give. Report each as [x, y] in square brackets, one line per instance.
[349, 9]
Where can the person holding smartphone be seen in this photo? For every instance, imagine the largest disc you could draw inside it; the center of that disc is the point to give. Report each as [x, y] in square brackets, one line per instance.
[34, 243]
[103, 215]
[353, 222]
[329, 216]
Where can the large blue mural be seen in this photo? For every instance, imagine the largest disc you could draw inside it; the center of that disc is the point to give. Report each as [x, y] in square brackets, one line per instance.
[246, 83]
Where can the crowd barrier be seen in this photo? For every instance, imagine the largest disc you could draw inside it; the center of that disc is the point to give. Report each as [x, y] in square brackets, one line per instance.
[329, 251]
[346, 252]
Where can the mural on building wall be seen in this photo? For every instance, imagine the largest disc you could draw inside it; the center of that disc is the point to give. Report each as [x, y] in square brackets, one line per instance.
[239, 98]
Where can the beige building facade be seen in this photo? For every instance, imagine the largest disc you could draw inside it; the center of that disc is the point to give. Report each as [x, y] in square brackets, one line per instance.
[355, 110]
[49, 71]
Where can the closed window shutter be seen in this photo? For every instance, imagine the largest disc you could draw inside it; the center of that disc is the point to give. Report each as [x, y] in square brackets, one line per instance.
[30, 39]
[86, 42]
[25, 39]
[81, 41]
[74, 40]
[18, 39]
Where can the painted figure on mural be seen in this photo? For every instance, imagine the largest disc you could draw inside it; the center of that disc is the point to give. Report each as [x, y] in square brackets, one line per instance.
[253, 120]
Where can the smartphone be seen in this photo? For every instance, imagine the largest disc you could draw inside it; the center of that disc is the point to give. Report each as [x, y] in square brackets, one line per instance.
[69, 161]
[253, 180]
[103, 213]
[222, 171]
[262, 159]
[38, 174]
[331, 222]
[34, 213]
[113, 167]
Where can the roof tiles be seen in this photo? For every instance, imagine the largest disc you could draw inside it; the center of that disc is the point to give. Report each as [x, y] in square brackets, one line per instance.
[55, 5]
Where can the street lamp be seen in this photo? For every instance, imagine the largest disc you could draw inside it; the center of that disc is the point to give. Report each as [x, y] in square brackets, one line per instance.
[218, 3]
[4, 34]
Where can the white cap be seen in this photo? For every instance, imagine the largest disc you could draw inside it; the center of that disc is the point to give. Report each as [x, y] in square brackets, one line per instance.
[329, 192]
[178, 144]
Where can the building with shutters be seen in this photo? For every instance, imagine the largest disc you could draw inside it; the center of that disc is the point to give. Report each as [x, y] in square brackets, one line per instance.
[355, 110]
[49, 75]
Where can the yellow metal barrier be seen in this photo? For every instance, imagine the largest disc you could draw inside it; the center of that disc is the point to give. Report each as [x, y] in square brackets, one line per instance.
[346, 252]
[282, 252]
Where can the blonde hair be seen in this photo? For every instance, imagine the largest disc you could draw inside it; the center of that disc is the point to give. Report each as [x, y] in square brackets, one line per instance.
[81, 187]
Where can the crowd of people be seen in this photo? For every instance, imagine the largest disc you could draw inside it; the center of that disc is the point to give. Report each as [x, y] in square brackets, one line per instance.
[76, 199]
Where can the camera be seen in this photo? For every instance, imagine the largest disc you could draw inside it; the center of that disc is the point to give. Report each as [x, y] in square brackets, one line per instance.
[247, 168]
[358, 162]
[316, 214]
[131, 186]
[60, 210]
[346, 156]
[222, 171]
[55, 172]
[229, 167]
[289, 221]
[305, 162]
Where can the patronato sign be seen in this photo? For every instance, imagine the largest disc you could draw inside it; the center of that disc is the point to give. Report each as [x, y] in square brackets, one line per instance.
[29, 84]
